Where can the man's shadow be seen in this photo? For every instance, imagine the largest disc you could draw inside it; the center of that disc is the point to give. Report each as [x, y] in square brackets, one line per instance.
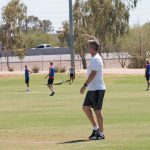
[74, 141]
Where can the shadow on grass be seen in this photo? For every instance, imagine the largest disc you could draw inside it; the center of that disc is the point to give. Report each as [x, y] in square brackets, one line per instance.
[74, 141]
[21, 91]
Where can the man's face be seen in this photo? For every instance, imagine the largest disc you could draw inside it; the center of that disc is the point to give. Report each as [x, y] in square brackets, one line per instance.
[91, 50]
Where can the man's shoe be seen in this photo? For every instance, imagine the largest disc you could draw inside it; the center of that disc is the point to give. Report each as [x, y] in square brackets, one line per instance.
[94, 134]
[100, 137]
[52, 94]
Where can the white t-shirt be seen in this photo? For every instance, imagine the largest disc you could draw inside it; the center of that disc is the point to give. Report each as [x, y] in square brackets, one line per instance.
[96, 64]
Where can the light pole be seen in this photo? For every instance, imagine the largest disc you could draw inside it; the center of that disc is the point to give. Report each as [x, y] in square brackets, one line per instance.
[71, 35]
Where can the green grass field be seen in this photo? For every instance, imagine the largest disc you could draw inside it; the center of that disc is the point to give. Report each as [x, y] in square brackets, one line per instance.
[36, 121]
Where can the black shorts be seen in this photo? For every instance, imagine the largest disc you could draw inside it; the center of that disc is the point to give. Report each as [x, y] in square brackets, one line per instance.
[147, 77]
[27, 80]
[94, 99]
[71, 75]
[50, 81]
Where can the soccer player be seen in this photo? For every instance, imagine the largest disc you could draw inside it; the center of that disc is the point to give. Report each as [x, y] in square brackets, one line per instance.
[27, 77]
[50, 76]
[95, 93]
[147, 73]
[72, 74]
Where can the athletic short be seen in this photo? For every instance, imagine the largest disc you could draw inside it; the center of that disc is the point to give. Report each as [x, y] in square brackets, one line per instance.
[94, 99]
[50, 81]
[147, 77]
[27, 80]
[71, 75]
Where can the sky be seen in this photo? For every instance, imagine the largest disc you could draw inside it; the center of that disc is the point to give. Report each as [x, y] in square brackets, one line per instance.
[58, 10]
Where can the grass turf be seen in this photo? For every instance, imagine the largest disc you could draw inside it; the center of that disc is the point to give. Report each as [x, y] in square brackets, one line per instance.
[36, 121]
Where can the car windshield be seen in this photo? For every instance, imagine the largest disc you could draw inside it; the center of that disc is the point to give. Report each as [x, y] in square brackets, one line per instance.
[40, 46]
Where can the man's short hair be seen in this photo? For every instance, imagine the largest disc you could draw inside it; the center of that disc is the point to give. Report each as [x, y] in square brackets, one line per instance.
[94, 44]
[51, 63]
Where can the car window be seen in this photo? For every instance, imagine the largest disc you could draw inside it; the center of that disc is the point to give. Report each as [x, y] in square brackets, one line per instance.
[40, 46]
[48, 45]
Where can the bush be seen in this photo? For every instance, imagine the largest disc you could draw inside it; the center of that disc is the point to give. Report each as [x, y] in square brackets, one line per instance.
[62, 70]
[136, 63]
[35, 69]
[56, 69]
[11, 69]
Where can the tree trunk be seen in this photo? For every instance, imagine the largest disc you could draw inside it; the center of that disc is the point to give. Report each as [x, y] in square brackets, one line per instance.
[8, 67]
[21, 64]
[84, 62]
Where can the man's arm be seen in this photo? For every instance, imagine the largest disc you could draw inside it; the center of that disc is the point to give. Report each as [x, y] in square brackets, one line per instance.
[30, 71]
[145, 70]
[89, 79]
[48, 73]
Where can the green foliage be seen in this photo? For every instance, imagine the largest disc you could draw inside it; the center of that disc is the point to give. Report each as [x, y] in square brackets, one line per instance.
[35, 38]
[106, 20]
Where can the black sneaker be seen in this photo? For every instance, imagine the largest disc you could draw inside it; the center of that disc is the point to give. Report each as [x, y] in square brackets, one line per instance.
[52, 94]
[94, 134]
[100, 137]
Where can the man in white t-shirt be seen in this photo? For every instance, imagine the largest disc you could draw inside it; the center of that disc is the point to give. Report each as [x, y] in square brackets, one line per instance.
[96, 91]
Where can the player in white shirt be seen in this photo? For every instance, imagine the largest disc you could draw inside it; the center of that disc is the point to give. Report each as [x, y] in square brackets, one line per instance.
[96, 91]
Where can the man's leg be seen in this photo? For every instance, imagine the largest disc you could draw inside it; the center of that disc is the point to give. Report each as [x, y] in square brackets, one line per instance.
[147, 84]
[89, 113]
[27, 86]
[50, 87]
[99, 117]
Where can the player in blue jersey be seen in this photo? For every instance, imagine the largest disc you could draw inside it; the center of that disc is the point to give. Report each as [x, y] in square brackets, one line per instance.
[27, 77]
[50, 76]
[147, 73]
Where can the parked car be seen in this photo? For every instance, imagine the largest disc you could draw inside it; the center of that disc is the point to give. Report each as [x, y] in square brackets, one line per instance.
[43, 46]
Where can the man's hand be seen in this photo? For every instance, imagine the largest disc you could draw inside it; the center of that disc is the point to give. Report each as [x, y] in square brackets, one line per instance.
[82, 90]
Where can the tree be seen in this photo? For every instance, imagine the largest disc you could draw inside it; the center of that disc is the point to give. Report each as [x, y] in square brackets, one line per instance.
[140, 45]
[45, 26]
[13, 20]
[63, 35]
[35, 24]
[122, 48]
[105, 20]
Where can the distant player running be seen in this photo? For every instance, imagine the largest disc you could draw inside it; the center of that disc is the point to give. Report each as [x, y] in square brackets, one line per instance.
[27, 77]
[147, 73]
[51, 78]
[72, 74]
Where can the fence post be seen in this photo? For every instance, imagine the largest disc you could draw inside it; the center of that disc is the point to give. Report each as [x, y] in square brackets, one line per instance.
[42, 62]
[60, 61]
[1, 63]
